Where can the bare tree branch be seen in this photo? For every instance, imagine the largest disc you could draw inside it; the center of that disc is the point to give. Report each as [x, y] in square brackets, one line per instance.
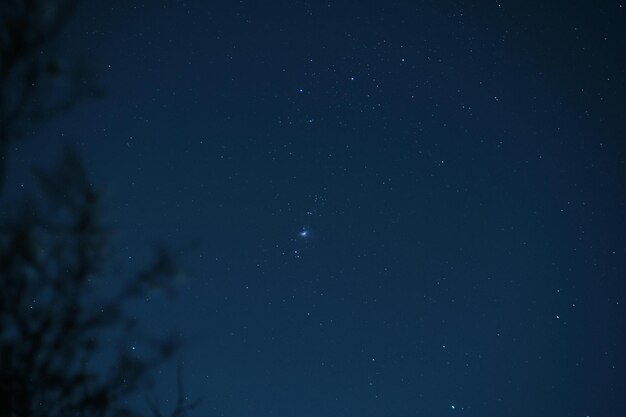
[37, 82]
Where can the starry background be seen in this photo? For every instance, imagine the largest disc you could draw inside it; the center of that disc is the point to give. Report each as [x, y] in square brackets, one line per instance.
[404, 208]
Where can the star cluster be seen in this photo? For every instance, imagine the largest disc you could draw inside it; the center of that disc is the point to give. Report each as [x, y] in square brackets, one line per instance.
[404, 208]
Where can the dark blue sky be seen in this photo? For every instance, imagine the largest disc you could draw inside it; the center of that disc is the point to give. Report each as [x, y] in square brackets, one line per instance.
[458, 168]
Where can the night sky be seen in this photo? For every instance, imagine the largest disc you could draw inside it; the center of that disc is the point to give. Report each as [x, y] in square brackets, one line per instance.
[384, 208]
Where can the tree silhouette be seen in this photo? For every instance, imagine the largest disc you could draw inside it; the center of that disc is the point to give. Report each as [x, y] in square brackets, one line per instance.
[37, 81]
[64, 346]
[52, 321]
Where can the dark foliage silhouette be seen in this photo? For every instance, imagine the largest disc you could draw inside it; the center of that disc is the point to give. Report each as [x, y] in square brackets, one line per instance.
[65, 345]
[53, 254]
[37, 80]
